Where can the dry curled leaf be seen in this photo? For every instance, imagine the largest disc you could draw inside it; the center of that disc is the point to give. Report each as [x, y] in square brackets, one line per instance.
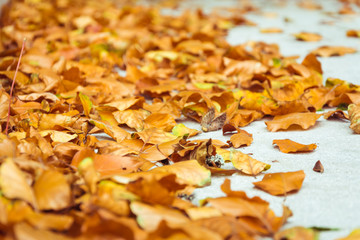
[318, 167]
[211, 123]
[284, 122]
[289, 146]
[281, 183]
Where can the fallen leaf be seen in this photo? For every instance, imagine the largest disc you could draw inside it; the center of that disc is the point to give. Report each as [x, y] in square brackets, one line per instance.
[354, 115]
[355, 234]
[289, 146]
[295, 233]
[181, 130]
[247, 164]
[281, 183]
[318, 167]
[14, 184]
[329, 51]
[211, 123]
[336, 114]
[271, 30]
[240, 139]
[25, 231]
[308, 37]
[149, 217]
[52, 191]
[284, 122]
[353, 33]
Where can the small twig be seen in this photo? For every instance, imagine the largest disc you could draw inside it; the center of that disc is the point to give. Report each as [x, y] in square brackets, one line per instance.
[12, 86]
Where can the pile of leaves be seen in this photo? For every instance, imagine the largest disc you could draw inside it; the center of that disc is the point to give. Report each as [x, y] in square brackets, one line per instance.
[95, 67]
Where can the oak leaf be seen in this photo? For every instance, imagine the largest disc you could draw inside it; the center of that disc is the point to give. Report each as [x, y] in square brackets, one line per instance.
[281, 183]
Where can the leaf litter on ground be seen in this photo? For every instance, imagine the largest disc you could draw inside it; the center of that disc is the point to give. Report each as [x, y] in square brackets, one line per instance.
[58, 180]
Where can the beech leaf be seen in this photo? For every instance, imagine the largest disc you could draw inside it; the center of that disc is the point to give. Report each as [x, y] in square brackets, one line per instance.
[284, 122]
[289, 146]
[281, 183]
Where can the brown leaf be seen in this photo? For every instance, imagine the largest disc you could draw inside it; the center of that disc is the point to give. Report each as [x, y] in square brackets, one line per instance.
[281, 183]
[211, 123]
[336, 114]
[284, 122]
[318, 167]
[329, 51]
[289, 146]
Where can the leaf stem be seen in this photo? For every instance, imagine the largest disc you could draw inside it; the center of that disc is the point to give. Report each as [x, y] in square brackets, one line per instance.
[12, 86]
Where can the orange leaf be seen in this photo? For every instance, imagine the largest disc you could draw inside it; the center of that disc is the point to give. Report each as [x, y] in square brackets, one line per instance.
[149, 217]
[241, 138]
[247, 164]
[308, 37]
[281, 183]
[284, 122]
[289, 146]
[329, 51]
[52, 191]
[13, 183]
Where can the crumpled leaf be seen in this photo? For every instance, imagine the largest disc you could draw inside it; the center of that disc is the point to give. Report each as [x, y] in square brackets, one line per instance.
[52, 191]
[284, 122]
[281, 183]
[354, 115]
[318, 167]
[329, 51]
[308, 37]
[336, 114]
[14, 184]
[247, 164]
[289, 146]
[211, 123]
